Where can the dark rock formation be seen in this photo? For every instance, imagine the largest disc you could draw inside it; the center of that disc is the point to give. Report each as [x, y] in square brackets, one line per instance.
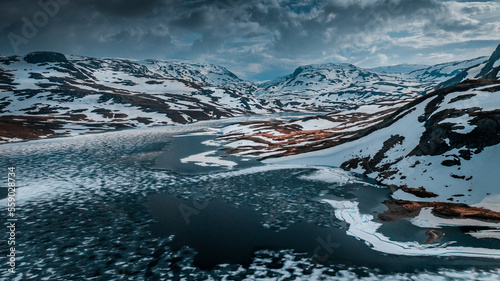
[434, 235]
[42, 57]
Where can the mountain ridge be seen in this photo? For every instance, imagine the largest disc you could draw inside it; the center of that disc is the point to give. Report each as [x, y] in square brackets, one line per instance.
[332, 86]
[48, 94]
[55, 94]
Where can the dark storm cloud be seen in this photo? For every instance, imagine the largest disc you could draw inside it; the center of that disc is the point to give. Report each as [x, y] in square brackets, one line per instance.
[247, 36]
[123, 28]
[127, 7]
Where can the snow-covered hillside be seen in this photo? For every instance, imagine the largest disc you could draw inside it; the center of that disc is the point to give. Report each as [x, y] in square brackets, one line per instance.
[400, 68]
[47, 93]
[337, 86]
[341, 86]
[489, 69]
[444, 71]
[441, 147]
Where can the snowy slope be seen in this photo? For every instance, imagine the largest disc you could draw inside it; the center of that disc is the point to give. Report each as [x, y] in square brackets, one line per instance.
[446, 142]
[489, 69]
[47, 93]
[334, 86]
[203, 74]
[340, 86]
[400, 68]
[440, 147]
[444, 71]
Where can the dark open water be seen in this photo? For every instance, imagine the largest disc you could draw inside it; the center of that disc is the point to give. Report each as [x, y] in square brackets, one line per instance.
[114, 207]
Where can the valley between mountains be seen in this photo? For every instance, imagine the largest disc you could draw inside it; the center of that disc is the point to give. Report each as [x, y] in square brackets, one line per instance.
[430, 133]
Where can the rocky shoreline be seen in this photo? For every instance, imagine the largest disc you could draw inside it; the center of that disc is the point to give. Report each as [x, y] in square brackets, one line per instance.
[398, 209]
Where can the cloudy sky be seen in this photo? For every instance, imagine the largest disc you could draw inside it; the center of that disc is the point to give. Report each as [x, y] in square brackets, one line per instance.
[255, 39]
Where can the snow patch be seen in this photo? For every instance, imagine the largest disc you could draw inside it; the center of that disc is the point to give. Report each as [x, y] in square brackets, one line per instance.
[485, 234]
[364, 227]
[329, 176]
[203, 159]
[491, 202]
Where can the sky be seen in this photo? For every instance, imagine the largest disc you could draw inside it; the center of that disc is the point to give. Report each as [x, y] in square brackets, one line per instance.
[257, 40]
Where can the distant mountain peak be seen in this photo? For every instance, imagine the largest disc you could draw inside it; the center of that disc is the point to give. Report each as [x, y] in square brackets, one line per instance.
[399, 68]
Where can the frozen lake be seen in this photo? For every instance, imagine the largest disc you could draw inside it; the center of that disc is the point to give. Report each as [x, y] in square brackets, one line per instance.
[164, 203]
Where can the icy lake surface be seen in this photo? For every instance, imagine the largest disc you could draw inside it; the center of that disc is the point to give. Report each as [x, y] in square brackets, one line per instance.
[165, 203]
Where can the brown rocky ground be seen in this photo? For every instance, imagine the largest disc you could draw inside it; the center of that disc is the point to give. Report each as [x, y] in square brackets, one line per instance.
[398, 209]
[293, 139]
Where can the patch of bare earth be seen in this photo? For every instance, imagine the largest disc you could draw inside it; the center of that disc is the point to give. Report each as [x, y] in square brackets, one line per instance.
[288, 138]
[28, 127]
[398, 209]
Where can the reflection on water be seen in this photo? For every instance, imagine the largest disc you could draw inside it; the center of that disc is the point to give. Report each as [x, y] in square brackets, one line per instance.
[221, 233]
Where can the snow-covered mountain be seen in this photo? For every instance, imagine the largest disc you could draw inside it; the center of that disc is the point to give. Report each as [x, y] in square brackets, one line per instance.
[47, 93]
[334, 86]
[444, 71]
[489, 69]
[441, 147]
[337, 86]
[400, 68]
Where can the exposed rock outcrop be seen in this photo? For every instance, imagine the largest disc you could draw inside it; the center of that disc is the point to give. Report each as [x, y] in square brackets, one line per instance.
[42, 57]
